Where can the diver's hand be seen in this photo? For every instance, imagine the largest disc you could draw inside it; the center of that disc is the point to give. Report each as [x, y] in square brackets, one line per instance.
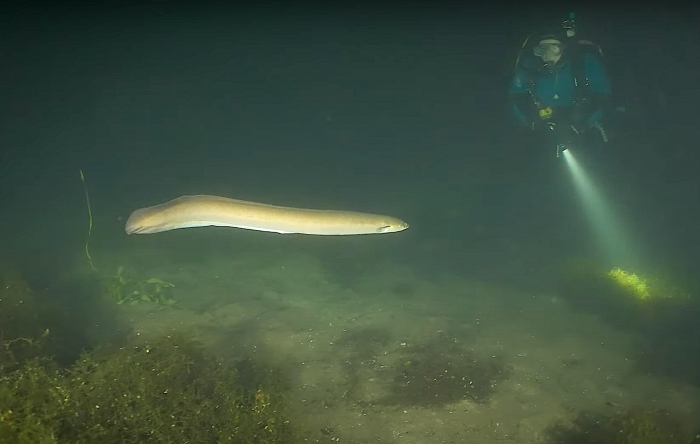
[541, 125]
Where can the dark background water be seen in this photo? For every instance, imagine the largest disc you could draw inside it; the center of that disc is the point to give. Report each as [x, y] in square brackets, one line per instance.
[398, 110]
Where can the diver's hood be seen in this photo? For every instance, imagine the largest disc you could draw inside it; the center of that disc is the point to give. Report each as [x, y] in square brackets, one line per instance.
[536, 38]
[528, 60]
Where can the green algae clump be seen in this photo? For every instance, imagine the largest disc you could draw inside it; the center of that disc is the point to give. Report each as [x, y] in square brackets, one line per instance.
[636, 286]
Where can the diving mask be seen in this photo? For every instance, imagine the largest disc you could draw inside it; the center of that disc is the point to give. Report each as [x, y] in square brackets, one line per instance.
[548, 50]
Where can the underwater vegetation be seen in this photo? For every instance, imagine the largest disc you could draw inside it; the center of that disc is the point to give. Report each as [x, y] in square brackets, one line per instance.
[21, 329]
[634, 285]
[662, 313]
[634, 426]
[45, 315]
[645, 288]
[132, 291]
[624, 299]
[120, 289]
[165, 391]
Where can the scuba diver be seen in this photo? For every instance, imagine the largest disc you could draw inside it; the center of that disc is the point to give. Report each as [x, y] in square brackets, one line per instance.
[560, 87]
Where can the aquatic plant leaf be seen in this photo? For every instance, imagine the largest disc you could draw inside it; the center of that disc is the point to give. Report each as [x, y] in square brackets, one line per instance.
[156, 281]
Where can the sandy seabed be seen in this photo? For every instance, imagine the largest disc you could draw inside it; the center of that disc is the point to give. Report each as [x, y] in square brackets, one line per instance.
[488, 364]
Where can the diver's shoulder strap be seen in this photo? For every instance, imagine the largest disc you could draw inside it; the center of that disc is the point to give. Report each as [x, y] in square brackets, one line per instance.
[577, 51]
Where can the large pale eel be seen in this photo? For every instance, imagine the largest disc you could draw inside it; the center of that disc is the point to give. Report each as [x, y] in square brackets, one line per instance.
[203, 211]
